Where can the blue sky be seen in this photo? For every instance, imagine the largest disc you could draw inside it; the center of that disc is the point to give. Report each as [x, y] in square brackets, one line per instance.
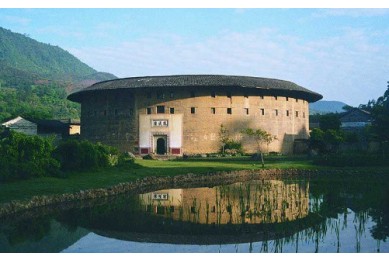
[341, 53]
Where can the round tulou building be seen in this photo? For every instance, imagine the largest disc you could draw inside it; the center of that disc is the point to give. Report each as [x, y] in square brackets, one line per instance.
[176, 115]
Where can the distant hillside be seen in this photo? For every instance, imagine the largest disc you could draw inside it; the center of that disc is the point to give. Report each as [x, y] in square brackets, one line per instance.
[25, 61]
[325, 107]
[35, 79]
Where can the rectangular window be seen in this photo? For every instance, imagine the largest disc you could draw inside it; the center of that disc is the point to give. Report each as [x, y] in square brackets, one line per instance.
[297, 100]
[160, 109]
[262, 111]
[287, 112]
[297, 113]
[276, 111]
[287, 99]
[213, 94]
[193, 110]
[229, 111]
[247, 111]
[213, 110]
[149, 111]
[172, 110]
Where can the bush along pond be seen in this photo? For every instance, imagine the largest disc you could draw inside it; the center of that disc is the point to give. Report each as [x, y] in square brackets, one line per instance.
[319, 213]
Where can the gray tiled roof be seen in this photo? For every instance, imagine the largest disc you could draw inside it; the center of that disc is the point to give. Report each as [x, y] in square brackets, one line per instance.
[199, 81]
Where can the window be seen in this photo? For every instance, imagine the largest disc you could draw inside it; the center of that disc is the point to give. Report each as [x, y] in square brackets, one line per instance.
[160, 109]
[229, 94]
[213, 110]
[287, 112]
[261, 97]
[247, 111]
[213, 94]
[276, 111]
[297, 100]
[287, 99]
[262, 111]
[297, 113]
[193, 110]
[192, 94]
[172, 110]
[229, 111]
[149, 111]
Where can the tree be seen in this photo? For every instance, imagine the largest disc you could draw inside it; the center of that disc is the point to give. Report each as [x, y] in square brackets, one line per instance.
[329, 121]
[380, 123]
[228, 144]
[223, 136]
[260, 137]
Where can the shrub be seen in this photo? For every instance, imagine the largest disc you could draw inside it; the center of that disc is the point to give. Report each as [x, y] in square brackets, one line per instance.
[351, 160]
[232, 147]
[84, 155]
[23, 156]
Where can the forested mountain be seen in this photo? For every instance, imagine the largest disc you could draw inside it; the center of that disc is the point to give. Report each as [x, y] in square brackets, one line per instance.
[23, 59]
[35, 78]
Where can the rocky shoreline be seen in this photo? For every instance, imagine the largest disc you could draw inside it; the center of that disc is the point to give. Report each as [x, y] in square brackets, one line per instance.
[149, 184]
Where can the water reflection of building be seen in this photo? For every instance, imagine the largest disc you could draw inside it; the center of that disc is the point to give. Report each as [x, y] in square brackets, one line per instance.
[255, 202]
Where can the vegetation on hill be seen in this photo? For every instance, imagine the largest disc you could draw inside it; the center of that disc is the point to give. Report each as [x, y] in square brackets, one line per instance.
[24, 58]
[35, 79]
[24, 62]
[36, 101]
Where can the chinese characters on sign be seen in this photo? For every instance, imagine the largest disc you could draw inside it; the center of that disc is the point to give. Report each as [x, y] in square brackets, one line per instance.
[159, 122]
[159, 196]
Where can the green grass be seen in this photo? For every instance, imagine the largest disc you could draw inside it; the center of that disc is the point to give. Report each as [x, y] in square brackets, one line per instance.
[20, 190]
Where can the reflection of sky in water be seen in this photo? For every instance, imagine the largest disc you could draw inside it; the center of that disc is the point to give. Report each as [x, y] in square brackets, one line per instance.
[348, 243]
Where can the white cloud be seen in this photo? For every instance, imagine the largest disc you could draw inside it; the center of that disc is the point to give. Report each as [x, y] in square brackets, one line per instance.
[350, 67]
[22, 21]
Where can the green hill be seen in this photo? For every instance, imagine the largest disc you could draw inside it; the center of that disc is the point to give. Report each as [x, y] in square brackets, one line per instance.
[24, 60]
[35, 78]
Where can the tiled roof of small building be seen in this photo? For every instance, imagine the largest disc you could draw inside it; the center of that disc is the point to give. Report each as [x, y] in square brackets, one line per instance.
[198, 81]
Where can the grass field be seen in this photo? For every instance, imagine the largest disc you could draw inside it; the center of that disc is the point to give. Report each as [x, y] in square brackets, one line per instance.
[25, 189]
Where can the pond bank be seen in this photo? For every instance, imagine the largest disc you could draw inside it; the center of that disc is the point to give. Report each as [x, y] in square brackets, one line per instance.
[151, 183]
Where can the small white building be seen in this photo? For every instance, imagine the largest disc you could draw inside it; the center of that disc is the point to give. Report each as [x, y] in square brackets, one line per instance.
[21, 125]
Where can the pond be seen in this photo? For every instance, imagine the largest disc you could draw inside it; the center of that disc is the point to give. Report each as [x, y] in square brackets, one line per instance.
[316, 214]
